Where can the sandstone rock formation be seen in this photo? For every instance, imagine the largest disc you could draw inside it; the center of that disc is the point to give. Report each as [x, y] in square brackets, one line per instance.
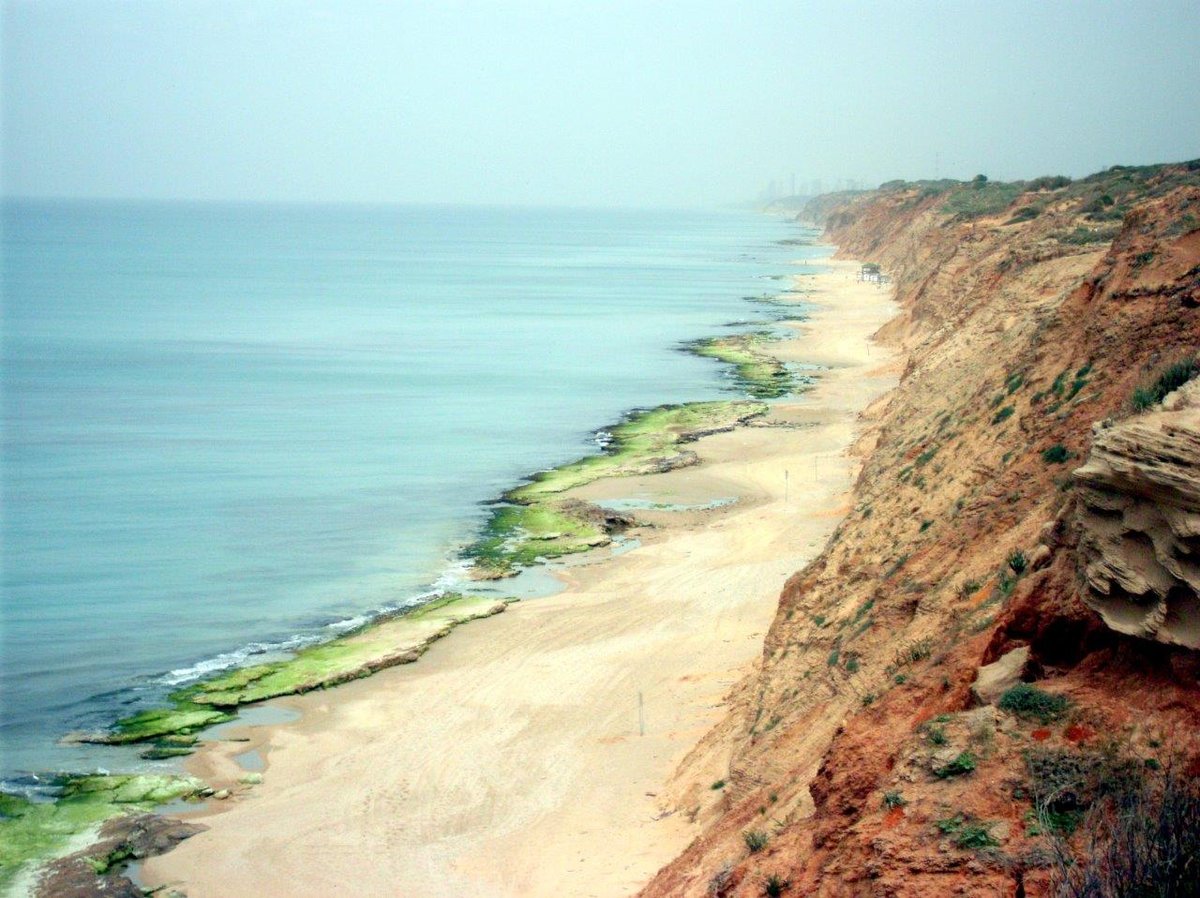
[1140, 522]
[994, 679]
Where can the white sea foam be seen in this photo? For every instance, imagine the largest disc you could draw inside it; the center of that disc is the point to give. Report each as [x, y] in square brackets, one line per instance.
[453, 577]
[235, 658]
[350, 623]
[456, 573]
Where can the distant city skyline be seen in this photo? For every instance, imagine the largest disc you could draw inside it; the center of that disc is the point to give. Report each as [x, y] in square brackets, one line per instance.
[580, 104]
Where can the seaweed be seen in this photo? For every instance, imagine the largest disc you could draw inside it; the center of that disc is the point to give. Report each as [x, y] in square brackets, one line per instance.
[761, 375]
[32, 831]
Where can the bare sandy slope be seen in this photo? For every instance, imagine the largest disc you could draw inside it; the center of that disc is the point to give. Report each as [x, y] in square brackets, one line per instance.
[526, 755]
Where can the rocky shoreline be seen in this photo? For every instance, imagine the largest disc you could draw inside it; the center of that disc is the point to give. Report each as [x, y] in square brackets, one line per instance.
[531, 524]
[504, 728]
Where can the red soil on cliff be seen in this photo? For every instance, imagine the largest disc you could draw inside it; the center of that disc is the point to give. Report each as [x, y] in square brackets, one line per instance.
[857, 747]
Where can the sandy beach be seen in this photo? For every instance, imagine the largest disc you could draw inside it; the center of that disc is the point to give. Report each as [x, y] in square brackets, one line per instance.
[528, 754]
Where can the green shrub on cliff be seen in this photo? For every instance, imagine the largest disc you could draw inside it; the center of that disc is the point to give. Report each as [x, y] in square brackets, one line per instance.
[1003, 415]
[1082, 236]
[960, 766]
[1029, 702]
[755, 839]
[1056, 454]
[1048, 182]
[1142, 839]
[1170, 379]
[1025, 213]
[981, 199]
[893, 800]
[974, 836]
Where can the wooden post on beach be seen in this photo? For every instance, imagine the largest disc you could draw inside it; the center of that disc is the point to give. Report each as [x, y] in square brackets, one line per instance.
[641, 715]
[785, 486]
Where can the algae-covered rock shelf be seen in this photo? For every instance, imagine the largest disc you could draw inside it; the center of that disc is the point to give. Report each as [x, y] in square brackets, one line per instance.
[756, 371]
[32, 831]
[535, 521]
[386, 642]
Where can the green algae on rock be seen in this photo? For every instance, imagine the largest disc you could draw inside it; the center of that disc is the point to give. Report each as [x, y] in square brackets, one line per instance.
[31, 830]
[648, 442]
[535, 523]
[520, 535]
[183, 717]
[171, 745]
[399, 639]
[391, 640]
[757, 372]
[161, 752]
[785, 307]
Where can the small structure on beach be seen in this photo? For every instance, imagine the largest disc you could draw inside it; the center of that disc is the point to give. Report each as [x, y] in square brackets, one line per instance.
[870, 273]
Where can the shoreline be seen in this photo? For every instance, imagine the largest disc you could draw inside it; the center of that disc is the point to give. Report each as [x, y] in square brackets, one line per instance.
[622, 672]
[535, 529]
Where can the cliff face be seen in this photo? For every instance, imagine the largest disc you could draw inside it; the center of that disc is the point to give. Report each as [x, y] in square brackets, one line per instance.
[860, 759]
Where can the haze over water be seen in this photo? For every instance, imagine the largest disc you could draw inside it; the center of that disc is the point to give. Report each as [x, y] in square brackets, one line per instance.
[226, 427]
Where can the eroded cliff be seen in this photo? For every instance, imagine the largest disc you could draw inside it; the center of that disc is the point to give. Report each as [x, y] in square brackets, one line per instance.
[1139, 516]
[858, 760]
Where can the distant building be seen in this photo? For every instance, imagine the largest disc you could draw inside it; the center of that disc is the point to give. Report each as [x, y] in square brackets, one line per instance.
[871, 273]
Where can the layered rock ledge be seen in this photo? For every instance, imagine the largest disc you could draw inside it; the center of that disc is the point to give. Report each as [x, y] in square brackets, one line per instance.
[1140, 522]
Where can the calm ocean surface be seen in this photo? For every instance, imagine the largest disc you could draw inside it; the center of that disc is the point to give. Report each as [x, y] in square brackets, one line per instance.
[226, 428]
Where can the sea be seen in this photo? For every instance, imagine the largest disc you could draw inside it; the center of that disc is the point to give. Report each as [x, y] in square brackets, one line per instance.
[231, 430]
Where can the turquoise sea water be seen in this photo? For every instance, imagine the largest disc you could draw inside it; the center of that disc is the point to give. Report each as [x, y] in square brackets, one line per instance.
[230, 428]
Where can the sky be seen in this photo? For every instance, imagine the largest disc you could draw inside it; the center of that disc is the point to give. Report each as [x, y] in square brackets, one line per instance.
[581, 103]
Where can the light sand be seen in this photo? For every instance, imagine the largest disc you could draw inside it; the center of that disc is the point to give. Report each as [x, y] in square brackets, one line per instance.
[527, 755]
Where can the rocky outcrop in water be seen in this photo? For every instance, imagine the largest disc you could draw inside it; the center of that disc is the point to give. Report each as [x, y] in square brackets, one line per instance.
[95, 872]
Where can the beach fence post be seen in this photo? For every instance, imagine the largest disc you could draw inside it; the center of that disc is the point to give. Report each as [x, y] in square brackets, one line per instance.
[786, 486]
[641, 715]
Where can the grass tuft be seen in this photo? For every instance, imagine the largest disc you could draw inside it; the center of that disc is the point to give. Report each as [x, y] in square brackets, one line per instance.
[775, 885]
[963, 764]
[755, 839]
[1017, 562]
[894, 800]
[1030, 703]
[1170, 379]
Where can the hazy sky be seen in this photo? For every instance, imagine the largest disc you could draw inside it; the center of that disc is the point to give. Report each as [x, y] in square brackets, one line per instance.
[639, 103]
